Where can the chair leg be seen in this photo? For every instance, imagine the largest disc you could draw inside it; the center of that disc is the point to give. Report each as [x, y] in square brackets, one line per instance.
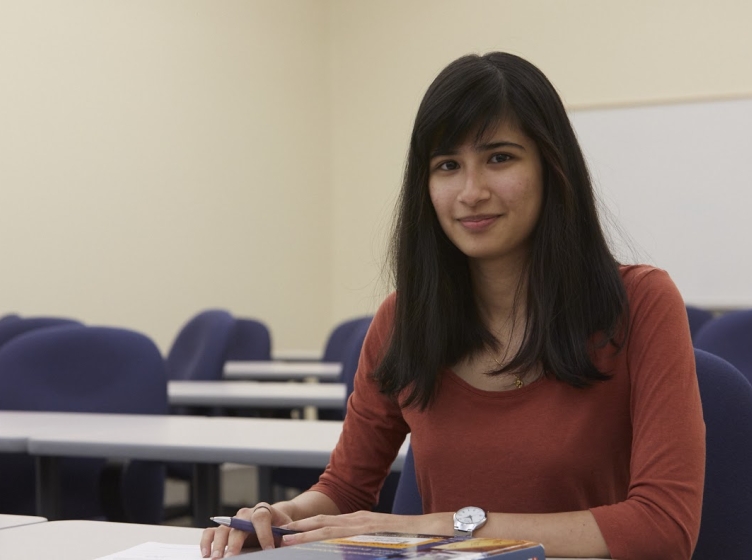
[111, 491]
[206, 493]
[48, 487]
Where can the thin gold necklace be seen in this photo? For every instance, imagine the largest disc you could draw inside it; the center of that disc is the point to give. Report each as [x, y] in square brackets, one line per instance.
[517, 379]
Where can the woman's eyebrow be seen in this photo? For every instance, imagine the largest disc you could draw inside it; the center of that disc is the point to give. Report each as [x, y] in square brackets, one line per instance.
[478, 148]
[445, 152]
[498, 144]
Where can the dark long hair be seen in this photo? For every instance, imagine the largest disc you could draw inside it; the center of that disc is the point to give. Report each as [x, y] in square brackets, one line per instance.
[574, 290]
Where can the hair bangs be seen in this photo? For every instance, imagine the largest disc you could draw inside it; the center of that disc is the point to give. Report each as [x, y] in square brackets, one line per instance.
[471, 120]
[470, 111]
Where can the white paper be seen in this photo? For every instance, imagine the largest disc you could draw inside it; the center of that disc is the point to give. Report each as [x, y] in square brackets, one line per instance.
[157, 551]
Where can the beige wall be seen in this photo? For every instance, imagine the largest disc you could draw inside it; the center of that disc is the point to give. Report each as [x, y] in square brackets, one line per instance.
[161, 157]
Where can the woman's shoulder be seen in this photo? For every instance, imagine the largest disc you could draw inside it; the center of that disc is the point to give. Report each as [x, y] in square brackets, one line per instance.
[383, 319]
[649, 287]
[643, 277]
[385, 312]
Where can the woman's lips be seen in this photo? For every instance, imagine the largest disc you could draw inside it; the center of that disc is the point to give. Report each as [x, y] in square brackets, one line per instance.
[478, 223]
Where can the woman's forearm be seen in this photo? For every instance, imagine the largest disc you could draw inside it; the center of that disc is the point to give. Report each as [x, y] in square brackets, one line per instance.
[570, 534]
[308, 504]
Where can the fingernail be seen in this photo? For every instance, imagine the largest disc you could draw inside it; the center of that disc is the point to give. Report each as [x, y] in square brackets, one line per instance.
[204, 552]
[289, 539]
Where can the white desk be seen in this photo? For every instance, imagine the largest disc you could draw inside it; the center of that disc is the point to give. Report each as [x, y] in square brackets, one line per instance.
[85, 540]
[205, 441]
[7, 521]
[282, 371]
[17, 427]
[251, 441]
[252, 394]
[297, 355]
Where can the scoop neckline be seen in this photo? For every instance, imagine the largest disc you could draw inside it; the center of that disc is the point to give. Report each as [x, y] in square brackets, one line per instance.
[506, 394]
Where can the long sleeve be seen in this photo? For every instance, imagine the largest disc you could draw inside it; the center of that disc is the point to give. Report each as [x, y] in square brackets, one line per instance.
[660, 517]
[373, 431]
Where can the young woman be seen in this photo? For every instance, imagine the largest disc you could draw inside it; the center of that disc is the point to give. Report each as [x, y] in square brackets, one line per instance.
[539, 380]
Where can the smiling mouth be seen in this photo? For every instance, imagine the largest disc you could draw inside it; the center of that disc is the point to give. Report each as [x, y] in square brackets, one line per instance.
[480, 222]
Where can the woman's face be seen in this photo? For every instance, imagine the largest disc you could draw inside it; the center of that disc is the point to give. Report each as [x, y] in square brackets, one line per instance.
[488, 196]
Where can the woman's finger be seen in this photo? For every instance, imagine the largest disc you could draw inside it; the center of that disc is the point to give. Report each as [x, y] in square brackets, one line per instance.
[206, 541]
[216, 543]
[360, 519]
[262, 515]
[320, 527]
[315, 522]
[323, 533]
[239, 539]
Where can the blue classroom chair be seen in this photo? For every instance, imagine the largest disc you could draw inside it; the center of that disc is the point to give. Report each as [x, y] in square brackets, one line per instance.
[250, 340]
[407, 500]
[345, 348]
[729, 336]
[349, 354]
[337, 343]
[198, 352]
[12, 326]
[84, 369]
[727, 503]
[697, 317]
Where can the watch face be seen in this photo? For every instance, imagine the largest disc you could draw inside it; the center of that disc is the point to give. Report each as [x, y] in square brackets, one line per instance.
[470, 515]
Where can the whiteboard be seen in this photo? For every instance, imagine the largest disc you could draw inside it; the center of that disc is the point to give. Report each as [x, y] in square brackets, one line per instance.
[676, 182]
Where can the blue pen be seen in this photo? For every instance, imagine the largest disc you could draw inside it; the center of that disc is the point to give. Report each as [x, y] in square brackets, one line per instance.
[243, 525]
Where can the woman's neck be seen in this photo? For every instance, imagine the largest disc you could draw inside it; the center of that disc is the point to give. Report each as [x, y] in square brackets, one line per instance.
[500, 289]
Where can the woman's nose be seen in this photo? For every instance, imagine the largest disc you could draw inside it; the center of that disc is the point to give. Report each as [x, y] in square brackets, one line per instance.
[474, 189]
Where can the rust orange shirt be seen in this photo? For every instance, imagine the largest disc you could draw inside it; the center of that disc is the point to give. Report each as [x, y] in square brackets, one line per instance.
[630, 449]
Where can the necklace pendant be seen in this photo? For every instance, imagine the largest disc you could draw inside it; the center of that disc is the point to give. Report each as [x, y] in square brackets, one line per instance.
[518, 382]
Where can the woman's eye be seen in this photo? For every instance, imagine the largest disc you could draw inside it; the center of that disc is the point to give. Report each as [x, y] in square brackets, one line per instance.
[449, 165]
[500, 158]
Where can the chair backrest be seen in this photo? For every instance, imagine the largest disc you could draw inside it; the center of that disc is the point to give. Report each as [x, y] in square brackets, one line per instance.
[407, 500]
[726, 524]
[250, 340]
[697, 317]
[83, 369]
[348, 357]
[336, 344]
[13, 325]
[729, 336]
[351, 354]
[198, 352]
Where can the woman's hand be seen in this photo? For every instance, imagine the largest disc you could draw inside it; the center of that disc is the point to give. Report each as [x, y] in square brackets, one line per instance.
[220, 542]
[320, 527]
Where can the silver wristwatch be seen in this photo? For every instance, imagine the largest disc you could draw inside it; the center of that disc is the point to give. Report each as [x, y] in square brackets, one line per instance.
[467, 520]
